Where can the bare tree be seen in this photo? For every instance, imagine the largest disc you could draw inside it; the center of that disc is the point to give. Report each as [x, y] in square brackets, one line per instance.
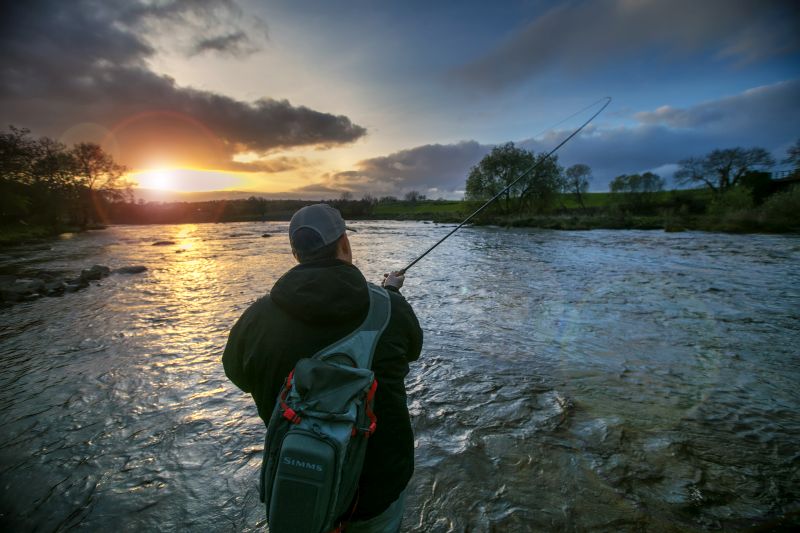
[97, 177]
[793, 155]
[720, 170]
[577, 181]
[413, 197]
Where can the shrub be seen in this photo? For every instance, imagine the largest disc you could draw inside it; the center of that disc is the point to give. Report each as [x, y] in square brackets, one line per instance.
[781, 211]
[731, 201]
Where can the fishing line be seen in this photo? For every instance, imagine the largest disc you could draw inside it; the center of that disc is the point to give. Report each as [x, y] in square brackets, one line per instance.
[575, 114]
[507, 187]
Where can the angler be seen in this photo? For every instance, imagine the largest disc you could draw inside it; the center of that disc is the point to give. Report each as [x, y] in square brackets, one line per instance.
[322, 300]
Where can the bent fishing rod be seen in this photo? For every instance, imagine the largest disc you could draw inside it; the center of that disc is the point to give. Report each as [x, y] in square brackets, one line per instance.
[507, 187]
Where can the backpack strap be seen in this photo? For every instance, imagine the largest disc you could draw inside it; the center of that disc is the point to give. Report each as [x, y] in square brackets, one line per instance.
[359, 346]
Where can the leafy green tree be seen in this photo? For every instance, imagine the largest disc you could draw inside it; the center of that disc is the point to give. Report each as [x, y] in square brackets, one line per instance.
[637, 190]
[540, 190]
[577, 181]
[495, 171]
[720, 170]
[503, 165]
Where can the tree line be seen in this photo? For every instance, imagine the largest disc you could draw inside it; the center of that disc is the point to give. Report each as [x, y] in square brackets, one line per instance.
[720, 171]
[45, 182]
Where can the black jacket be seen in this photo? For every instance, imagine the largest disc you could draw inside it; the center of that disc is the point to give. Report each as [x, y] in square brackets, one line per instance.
[310, 307]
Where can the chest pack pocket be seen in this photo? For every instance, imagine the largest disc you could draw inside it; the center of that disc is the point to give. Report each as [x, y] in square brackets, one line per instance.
[317, 434]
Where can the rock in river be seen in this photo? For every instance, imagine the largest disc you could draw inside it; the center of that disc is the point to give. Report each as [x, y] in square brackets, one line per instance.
[54, 287]
[163, 243]
[16, 290]
[94, 273]
[135, 269]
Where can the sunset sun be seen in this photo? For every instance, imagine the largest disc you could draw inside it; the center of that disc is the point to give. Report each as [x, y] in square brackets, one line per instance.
[186, 179]
[161, 179]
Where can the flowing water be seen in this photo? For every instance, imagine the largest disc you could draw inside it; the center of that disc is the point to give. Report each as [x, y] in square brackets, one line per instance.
[603, 380]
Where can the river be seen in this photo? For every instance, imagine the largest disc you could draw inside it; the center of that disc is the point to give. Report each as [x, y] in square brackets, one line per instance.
[569, 381]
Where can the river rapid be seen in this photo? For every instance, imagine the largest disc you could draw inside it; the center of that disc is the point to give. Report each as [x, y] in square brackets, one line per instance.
[569, 381]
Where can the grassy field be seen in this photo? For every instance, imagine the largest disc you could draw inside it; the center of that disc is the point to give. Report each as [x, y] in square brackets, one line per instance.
[459, 209]
[439, 210]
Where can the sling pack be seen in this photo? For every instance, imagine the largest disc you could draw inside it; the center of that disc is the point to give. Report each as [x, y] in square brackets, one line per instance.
[317, 434]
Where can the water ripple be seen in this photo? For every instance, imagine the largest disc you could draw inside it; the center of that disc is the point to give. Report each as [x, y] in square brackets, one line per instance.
[617, 381]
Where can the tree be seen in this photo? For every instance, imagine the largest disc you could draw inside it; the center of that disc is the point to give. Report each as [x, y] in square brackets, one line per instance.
[637, 190]
[17, 154]
[577, 181]
[720, 170]
[35, 176]
[98, 178]
[504, 164]
[793, 155]
[414, 197]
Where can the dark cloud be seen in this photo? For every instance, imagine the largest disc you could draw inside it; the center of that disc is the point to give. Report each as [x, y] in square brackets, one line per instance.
[437, 168]
[319, 190]
[272, 165]
[66, 63]
[764, 116]
[595, 34]
[217, 26]
[236, 44]
[772, 107]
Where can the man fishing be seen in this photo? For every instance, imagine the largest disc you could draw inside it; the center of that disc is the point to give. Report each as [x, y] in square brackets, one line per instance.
[321, 300]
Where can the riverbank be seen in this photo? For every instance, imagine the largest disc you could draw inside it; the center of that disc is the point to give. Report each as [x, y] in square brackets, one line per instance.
[669, 211]
[737, 223]
[20, 234]
[26, 234]
[672, 211]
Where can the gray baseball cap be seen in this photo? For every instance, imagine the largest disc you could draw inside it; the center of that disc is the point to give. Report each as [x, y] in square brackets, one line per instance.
[326, 221]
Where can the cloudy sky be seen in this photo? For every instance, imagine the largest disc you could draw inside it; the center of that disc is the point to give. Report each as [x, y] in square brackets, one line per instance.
[313, 98]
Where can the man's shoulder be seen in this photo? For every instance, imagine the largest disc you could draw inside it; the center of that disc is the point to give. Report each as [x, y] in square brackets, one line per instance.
[262, 307]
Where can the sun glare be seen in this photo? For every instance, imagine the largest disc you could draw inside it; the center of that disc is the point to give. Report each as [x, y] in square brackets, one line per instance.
[160, 179]
[186, 180]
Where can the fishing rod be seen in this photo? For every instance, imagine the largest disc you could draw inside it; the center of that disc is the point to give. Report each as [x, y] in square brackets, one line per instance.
[507, 187]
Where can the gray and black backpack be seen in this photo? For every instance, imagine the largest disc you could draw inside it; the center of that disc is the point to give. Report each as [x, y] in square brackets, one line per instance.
[317, 435]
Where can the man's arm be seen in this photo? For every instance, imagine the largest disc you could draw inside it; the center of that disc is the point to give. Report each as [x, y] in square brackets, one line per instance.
[234, 356]
[392, 282]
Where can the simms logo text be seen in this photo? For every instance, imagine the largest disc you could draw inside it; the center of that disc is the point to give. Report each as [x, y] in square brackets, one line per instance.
[291, 461]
